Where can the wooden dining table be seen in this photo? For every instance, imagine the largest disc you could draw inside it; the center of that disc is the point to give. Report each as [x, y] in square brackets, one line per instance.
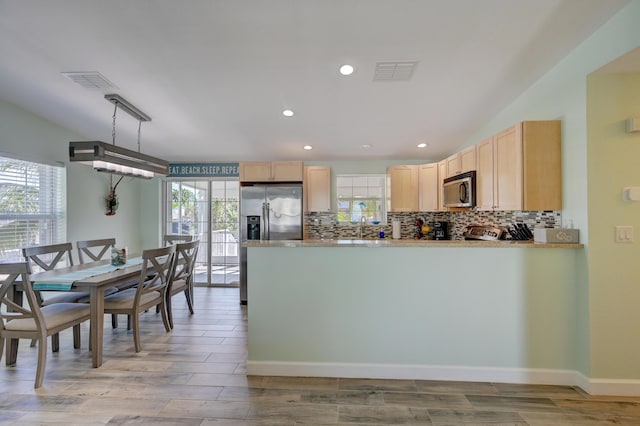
[95, 285]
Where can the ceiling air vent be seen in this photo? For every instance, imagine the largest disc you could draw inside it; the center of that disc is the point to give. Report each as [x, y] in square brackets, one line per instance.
[394, 71]
[90, 80]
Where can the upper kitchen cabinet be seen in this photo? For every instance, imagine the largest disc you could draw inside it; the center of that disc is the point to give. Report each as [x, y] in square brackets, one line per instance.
[484, 175]
[429, 187]
[461, 162]
[277, 171]
[317, 188]
[524, 166]
[403, 188]
[442, 173]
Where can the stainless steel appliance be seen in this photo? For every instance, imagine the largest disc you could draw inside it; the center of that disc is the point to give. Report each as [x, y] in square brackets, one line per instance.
[268, 212]
[460, 190]
[483, 232]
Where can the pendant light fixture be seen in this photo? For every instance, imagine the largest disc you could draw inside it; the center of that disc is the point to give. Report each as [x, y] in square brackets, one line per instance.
[110, 158]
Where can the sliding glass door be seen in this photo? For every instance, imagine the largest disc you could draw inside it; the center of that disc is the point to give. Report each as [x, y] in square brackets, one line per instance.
[208, 210]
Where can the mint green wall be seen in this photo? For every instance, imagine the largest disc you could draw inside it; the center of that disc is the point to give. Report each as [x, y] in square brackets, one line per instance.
[562, 94]
[30, 137]
[414, 306]
[613, 163]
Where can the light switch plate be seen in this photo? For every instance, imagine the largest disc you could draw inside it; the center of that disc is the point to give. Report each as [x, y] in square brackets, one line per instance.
[624, 234]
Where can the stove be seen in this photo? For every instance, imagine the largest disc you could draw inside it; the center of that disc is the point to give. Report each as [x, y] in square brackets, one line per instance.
[484, 232]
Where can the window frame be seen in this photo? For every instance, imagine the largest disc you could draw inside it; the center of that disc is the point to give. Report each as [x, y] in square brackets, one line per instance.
[42, 211]
[373, 191]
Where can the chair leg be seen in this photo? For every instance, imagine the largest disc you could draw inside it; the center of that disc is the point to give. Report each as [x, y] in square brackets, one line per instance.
[169, 312]
[114, 321]
[128, 322]
[136, 332]
[189, 295]
[165, 317]
[42, 361]
[55, 342]
[76, 336]
[33, 343]
[12, 351]
[2, 347]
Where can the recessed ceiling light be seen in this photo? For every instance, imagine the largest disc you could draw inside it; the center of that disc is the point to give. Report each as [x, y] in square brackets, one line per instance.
[287, 113]
[365, 146]
[346, 69]
[422, 145]
[308, 147]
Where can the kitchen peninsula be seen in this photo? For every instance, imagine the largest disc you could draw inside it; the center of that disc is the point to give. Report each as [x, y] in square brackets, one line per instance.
[448, 310]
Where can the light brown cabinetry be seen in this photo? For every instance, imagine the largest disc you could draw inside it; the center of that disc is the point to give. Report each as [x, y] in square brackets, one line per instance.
[520, 168]
[461, 162]
[428, 188]
[277, 171]
[317, 188]
[442, 173]
[403, 188]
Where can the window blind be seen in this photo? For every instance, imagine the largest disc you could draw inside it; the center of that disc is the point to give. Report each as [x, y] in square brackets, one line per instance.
[32, 206]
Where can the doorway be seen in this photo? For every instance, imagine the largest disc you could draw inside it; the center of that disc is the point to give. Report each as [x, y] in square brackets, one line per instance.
[208, 210]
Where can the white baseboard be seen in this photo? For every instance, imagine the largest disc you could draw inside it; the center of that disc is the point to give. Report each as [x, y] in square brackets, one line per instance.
[442, 372]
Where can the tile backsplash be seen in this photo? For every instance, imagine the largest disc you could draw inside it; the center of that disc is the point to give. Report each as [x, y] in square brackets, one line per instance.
[324, 226]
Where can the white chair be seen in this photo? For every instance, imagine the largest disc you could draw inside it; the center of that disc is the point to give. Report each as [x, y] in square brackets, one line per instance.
[34, 322]
[182, 275]
[150, 291]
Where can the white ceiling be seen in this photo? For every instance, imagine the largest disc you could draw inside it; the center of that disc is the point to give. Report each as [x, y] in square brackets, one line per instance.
[214, 75]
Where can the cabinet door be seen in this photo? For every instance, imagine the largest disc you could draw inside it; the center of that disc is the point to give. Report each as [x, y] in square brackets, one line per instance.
[442, 174]
[403, 186]
[508, 169]
[317, 188]
[484, 175]
[468, 159]
[542, 165]
[287, 171]
[454, 165]
[428, 187]
[255, 172]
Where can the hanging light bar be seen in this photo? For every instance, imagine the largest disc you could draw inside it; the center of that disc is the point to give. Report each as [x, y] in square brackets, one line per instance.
[110, 158]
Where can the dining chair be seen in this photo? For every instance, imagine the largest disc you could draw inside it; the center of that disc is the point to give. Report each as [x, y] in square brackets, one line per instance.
[33, 321]
[151, 290]
[95, 250]
[182, 275]
[47, 258]
[175, 238]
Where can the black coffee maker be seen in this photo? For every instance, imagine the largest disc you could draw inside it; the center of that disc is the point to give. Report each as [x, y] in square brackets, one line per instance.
[440, 230]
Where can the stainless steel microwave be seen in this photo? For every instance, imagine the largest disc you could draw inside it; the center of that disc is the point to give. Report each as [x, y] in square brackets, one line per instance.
[460, 190]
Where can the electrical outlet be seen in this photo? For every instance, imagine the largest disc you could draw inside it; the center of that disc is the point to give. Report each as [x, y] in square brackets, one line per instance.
[624, 234]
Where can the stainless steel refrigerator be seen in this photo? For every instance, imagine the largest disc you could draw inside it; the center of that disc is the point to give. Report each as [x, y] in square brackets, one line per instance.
[268, 212]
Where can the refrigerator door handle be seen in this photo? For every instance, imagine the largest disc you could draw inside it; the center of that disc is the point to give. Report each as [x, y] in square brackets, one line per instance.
[265, 220]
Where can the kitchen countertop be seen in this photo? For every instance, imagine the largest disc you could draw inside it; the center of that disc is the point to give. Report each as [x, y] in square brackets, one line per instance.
[387, 242]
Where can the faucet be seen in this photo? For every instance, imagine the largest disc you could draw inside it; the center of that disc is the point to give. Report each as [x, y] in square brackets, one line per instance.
[363, 222]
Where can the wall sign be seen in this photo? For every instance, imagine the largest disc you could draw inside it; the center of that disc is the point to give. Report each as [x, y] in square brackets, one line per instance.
[204, 170]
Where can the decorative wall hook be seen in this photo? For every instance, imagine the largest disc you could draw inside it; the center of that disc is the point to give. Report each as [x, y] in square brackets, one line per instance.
[112, 198]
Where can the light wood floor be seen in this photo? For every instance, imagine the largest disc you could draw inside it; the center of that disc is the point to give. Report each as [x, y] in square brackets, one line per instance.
[195, 375]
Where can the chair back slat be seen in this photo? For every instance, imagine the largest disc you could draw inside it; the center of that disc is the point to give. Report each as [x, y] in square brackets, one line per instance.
[156, 269]
[48, 257]
[94, 249]
[175, 239]
[11, 310]
[184, 264]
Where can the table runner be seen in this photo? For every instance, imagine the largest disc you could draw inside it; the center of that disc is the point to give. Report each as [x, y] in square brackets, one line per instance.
[64, 282]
